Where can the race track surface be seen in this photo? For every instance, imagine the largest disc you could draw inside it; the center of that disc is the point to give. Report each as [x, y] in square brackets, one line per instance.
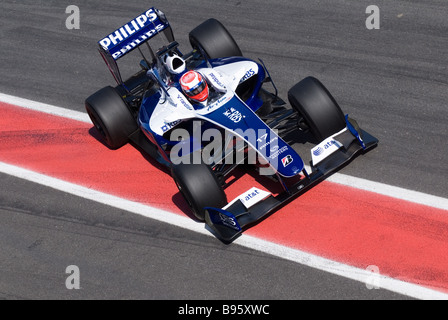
[393, 80]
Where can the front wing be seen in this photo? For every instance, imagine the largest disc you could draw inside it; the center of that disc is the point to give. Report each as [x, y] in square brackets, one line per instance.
[229, 222]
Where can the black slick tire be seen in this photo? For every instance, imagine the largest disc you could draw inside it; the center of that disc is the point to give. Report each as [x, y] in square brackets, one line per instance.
[214, 40]
[199, 187]
[317, 106]
[111, 117]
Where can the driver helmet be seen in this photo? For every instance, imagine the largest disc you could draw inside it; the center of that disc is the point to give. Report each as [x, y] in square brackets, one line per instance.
[174, 63]
[194, 86]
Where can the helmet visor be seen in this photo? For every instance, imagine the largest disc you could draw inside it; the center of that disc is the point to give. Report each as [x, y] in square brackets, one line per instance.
[195, 91]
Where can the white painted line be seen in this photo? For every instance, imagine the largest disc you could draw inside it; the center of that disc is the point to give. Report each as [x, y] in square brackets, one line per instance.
[45, 108]
[358, 183]
[388, 190]
[297, 256]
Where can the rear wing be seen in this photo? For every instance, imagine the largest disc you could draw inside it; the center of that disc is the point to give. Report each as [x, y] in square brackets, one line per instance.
[131, 35]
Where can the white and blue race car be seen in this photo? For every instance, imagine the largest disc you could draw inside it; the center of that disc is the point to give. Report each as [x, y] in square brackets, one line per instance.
[238, 121]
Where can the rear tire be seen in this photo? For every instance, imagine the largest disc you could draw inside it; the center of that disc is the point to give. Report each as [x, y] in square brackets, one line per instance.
[316, 105]
[214, 40]
[199, 187]
[111, 117]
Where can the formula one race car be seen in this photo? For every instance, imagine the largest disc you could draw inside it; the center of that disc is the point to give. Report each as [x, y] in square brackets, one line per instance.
[206, 112]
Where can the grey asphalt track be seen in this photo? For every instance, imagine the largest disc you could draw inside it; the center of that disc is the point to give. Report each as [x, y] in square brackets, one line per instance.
[393, 80]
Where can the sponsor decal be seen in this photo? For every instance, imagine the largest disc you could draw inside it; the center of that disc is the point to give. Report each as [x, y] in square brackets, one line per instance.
[330, 143]
[324, 149]
[216, 80]
[318, 151]
[287, 160]
[137, 42]
[278, 152]
[233, 115]
[218, 102]
[129, 29]
[228, 221]
[250, 197]
[182, 101]
[170, 125]
[268, 143]
[248, 75]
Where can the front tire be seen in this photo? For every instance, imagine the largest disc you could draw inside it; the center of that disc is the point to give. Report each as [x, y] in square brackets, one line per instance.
[199, 187]
[111, 117]
[316, 105]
